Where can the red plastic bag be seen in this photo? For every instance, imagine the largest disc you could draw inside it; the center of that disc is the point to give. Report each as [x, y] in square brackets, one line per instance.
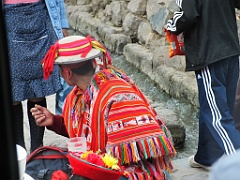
[176, 43]
[59, 175]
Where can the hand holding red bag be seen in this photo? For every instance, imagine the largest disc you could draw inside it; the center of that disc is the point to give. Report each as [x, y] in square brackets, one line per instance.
[176, 43]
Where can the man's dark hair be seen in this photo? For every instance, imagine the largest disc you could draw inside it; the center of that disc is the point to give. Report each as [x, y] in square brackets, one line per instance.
[84, 69]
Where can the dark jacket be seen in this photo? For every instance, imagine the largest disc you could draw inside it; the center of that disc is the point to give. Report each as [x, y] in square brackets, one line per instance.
[210, 30]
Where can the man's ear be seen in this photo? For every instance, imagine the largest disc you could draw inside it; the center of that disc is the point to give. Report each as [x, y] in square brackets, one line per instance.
[69, 73]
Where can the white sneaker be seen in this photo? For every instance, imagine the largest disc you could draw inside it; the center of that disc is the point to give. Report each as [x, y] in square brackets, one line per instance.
[195, 164]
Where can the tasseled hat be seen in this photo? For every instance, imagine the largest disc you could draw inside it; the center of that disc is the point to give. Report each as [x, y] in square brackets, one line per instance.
[72, 50]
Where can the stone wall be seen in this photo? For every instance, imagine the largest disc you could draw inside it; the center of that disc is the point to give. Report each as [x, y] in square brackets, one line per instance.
[134, 28]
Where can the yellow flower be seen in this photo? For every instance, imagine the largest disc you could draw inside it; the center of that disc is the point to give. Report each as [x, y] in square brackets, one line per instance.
[115, 167]
[85, 154]
[111, 162]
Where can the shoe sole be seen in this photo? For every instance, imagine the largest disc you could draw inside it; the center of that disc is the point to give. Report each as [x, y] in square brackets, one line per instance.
[195, 164]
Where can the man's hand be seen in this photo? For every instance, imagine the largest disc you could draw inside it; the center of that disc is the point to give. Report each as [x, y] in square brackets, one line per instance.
[42, 116]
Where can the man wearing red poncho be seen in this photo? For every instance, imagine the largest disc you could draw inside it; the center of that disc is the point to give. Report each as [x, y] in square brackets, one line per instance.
[107, 108]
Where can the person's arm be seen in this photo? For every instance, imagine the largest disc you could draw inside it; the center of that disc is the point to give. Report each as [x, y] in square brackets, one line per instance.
[65, 32]
[184, 18]
[58, 126]
[44, 118]
[63, 14]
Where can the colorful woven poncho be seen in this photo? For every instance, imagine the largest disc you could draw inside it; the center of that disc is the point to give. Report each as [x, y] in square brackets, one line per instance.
[115, 117]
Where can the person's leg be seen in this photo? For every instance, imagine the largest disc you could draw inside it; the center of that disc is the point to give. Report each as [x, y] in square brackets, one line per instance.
[18, 123]
[36, 132]
[236, 113]
[206, 142]
[218, 134]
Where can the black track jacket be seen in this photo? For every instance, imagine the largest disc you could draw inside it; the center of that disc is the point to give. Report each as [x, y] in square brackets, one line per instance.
[210, 30]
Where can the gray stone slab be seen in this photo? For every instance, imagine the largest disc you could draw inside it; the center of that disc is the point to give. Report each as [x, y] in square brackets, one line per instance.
[182, 171]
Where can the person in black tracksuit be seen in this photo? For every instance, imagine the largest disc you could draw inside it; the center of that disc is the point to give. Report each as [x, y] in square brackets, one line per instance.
[212, 51]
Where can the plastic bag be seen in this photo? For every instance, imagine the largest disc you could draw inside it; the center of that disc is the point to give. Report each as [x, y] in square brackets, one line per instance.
[176, 43]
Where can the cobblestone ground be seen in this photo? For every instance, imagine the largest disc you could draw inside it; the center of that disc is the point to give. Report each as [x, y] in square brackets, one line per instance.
[182, 170]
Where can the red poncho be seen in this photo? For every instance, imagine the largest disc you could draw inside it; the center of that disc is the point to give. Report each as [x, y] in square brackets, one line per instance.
[114, 116]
